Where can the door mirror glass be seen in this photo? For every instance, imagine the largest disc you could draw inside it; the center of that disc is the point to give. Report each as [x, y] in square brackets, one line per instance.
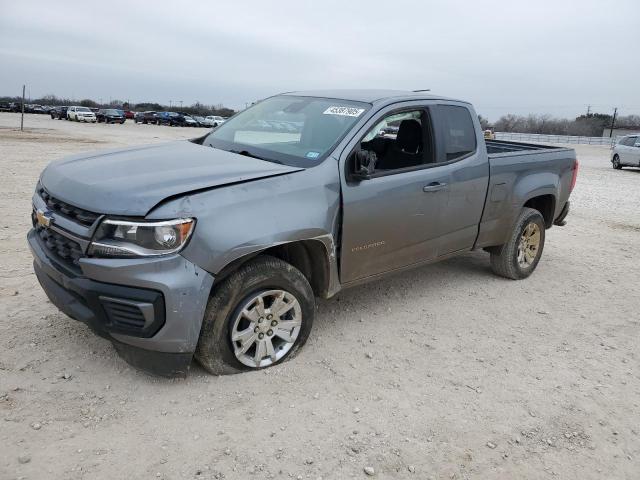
[364, 164]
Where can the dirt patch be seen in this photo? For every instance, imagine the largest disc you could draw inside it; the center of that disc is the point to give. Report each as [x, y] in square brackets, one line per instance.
[43, 135]
[625, 226]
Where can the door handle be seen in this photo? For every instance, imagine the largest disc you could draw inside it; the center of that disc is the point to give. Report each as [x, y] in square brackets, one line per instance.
[434, 187]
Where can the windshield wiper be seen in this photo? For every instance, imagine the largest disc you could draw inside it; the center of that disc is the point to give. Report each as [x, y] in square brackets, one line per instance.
[249, 154]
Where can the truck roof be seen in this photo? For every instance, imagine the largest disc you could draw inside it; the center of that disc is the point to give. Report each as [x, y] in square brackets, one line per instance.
[371, 96]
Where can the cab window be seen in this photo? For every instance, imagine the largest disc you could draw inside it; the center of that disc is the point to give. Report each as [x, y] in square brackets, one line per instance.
[400, 140]
[457, 132]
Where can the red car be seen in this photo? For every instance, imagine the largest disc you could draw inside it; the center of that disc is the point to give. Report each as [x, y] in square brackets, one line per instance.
[129, 114]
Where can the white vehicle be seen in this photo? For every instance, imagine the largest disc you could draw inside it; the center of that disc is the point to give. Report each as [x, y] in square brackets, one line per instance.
[626, 153]
[215, 120]
[81, 114]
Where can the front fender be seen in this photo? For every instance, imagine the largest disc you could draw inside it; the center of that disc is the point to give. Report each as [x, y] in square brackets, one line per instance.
[234, 221]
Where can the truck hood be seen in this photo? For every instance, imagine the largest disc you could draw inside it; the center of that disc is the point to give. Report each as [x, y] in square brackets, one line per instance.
[132, 181]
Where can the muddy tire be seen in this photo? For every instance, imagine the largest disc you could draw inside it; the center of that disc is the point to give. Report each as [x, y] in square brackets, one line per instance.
[519, 257]
[266, 301]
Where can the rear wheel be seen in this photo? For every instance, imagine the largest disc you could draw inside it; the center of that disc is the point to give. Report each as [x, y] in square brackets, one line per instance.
[616, 162]
[259, 316]
[519, 257]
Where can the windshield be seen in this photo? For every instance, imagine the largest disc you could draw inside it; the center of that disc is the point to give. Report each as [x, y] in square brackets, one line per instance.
[82, 109]
[112, 112]
[297, 131]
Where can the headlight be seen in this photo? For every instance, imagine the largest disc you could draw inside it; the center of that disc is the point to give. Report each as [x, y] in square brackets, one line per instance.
[121, 238]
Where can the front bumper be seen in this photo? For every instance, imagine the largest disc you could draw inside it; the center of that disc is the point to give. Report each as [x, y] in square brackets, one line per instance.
[170, 292]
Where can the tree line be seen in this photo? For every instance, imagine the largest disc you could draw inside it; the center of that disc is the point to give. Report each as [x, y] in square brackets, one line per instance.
[194, 109]
[591, 125]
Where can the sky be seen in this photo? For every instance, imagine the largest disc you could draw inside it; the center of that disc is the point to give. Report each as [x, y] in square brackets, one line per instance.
[544, 57]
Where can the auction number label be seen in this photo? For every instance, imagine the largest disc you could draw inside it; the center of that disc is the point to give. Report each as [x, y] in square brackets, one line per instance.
[344, 111]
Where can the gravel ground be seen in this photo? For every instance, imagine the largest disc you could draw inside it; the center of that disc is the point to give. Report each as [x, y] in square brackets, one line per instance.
[442, 372]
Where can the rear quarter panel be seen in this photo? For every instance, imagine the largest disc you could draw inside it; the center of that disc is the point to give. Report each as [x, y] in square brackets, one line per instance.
[517, 178]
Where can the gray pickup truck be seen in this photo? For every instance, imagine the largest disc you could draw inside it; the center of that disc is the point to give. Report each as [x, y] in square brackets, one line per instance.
[217, 247]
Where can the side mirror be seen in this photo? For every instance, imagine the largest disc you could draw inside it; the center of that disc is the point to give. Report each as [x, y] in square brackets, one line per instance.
[364, 164]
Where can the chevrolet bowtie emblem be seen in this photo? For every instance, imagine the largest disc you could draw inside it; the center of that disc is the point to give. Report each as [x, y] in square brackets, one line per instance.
[44, 218]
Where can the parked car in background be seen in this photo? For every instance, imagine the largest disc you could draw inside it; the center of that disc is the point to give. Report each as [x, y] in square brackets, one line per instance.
[5, 107]
[186, 120]
[205, 122]
[215, 120]
[59, 113]
[33, 108]
[626, 152]
[164, 118]
[81, 114]
[110, 115]
[176, 119]
[129, 114]
[147, 117]
[202, 122]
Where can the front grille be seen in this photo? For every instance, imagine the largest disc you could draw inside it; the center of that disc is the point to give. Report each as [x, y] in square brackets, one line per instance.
[62, 248]
[80, 215]
[123, 315]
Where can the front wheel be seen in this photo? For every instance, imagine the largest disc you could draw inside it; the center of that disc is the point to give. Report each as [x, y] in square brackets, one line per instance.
[616, 162]
[519, 257]
[257, 317]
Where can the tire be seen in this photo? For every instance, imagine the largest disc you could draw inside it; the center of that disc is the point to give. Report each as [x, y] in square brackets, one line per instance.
[509, 260]
[260, 277]
[616, 162]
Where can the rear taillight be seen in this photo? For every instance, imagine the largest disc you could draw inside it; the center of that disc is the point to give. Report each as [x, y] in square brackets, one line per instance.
[575, 175]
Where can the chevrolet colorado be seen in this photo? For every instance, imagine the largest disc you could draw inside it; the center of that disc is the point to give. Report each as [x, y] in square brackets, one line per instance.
[217, 247]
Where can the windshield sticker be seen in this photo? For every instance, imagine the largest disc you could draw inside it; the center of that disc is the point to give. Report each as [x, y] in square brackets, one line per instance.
[344, 111]
[312, 154]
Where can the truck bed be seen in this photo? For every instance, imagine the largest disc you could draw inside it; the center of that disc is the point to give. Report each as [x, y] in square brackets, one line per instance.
[496, 147]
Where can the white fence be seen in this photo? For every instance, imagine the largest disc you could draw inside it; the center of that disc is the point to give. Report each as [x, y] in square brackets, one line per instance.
[541, 138]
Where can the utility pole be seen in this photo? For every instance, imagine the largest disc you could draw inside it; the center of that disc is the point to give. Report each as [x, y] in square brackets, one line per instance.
[170, 104]
[613, 121]
[588, 110]
[22, 117]
[180, 104]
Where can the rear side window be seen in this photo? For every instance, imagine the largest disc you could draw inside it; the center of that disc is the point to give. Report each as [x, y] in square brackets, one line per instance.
[457, 133]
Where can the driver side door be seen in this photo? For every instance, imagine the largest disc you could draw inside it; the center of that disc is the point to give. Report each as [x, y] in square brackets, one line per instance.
[393, 219]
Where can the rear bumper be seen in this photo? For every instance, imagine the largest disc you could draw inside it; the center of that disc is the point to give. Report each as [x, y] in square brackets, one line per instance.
[150, 309]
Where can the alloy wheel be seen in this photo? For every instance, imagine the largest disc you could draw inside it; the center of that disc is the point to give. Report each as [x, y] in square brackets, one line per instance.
[265, 328]
[529, 245]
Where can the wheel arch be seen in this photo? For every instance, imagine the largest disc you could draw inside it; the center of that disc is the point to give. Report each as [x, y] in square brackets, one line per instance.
[545, 204]
[315, 258]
